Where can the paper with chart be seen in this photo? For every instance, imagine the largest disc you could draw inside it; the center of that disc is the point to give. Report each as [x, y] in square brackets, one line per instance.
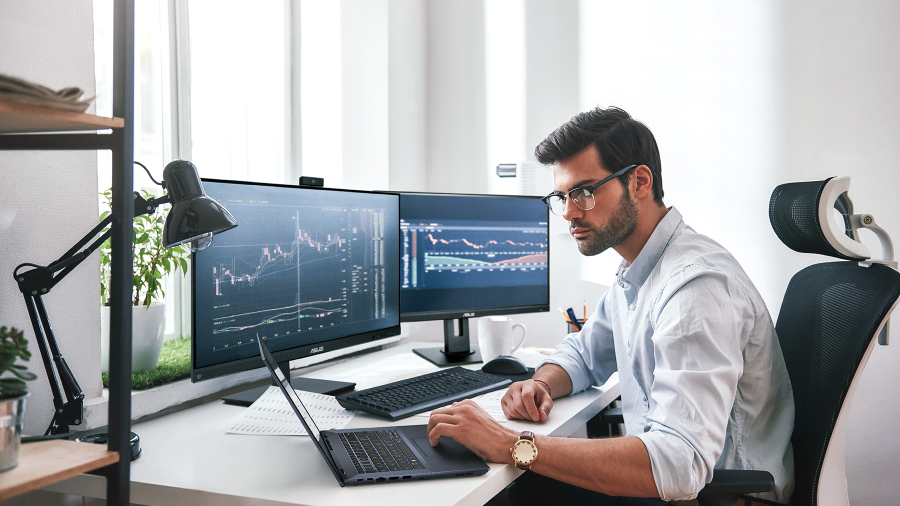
[271, 415]
[490, 402]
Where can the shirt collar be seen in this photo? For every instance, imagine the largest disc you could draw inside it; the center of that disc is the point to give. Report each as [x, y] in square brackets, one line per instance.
[646, 260]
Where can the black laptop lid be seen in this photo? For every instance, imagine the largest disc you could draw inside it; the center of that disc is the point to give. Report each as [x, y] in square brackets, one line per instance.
[294, 400]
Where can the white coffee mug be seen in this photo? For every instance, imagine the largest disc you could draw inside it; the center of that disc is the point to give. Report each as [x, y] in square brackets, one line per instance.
[495, 336]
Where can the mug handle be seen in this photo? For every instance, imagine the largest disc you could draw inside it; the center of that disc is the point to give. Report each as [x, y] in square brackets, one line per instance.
[524, 331]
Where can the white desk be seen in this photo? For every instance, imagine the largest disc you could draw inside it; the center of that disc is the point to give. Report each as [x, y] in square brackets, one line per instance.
[188, 459]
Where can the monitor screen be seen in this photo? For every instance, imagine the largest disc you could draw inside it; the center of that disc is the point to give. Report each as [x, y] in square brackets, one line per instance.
[472, 255]
[308, 269]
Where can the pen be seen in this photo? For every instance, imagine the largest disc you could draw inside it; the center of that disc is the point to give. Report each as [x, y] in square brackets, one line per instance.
[565, 315]
[585, 311]
[574, 319]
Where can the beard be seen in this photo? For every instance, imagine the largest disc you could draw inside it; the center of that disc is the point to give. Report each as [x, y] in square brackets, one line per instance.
[620, 226]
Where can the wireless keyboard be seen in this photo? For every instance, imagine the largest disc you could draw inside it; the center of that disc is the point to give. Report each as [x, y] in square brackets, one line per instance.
[401, 399]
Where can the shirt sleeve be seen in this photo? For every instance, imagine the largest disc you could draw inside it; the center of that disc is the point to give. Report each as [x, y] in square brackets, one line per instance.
[700, 319]
[589, 356]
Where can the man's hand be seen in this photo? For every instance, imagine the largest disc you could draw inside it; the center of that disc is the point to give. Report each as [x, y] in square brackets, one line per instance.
[527, 400]
[470, 425]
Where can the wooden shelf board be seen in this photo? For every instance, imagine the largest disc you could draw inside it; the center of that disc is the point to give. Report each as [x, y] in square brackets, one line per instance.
[47, 462]
[18, 117]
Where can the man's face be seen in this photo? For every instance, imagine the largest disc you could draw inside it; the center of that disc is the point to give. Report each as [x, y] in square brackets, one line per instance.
[614, 216]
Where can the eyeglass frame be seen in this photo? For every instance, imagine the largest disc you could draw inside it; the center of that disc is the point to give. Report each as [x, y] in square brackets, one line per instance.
[590, 189]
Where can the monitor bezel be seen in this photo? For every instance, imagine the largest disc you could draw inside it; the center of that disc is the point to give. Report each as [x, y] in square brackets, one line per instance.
[422, 316]
[254, 362]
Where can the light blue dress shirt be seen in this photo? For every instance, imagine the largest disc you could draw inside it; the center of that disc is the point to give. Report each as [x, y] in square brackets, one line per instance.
[703, 380]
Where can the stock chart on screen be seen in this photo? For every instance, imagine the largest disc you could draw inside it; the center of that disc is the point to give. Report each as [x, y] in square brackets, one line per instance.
[471, 252]
[303, 266]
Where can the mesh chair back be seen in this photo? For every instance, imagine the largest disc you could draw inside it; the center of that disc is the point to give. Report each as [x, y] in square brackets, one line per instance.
[829, 315]
[794, 214]
[828, 318]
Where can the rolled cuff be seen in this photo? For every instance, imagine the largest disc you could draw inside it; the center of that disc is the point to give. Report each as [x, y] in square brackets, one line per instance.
[574, 367]
[678, 469]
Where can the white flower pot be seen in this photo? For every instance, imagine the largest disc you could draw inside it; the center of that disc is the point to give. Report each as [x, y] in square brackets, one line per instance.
[147, 328]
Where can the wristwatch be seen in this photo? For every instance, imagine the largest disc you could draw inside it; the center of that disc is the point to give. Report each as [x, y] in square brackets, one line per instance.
[524, 452]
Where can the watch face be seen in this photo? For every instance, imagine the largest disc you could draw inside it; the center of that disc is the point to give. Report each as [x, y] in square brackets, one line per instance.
[525, 452]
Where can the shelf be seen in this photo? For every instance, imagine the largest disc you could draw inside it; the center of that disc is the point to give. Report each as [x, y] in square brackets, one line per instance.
[47, 462]
[18, 117]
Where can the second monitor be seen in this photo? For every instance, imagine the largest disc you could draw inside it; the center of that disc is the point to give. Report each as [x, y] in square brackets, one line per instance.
[466, 256]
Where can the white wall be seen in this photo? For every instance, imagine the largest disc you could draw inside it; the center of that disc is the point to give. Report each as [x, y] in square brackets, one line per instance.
[364, 51]
[456, 152]
[407, 90]
[48, 200]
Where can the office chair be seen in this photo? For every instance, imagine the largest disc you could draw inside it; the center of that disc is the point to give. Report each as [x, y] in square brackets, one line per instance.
[829, 318]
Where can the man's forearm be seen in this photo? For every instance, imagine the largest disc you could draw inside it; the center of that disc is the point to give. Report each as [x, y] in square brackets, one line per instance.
[613, 466]
[556, 377]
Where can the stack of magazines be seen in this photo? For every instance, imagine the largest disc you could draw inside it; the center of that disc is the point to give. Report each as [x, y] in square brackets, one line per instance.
[20, 90]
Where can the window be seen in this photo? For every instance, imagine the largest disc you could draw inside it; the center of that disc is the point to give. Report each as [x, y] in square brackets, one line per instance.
[212, 85]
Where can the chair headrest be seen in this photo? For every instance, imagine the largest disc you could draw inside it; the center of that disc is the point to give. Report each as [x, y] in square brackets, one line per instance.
[803, 217]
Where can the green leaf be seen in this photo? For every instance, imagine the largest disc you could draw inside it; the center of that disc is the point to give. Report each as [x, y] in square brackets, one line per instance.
[23, 374]
[184, 266]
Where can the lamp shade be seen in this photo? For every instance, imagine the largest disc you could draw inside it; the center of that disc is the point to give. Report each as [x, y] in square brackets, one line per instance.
[194, 216]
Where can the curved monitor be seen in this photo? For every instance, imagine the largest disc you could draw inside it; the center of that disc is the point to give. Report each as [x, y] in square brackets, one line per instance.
[308, 269]
[467, 256]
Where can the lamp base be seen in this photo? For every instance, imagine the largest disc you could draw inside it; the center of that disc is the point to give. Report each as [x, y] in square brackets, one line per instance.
[102, 438]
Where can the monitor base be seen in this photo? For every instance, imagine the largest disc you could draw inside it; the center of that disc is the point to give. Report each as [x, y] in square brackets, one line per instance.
[438, 357]
[319, 386]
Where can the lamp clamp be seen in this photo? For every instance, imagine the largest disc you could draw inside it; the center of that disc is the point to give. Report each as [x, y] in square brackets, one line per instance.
[143, 206]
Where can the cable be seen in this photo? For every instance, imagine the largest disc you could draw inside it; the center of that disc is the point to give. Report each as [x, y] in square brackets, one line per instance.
[35, 439]
[148, 173]
[52, 420]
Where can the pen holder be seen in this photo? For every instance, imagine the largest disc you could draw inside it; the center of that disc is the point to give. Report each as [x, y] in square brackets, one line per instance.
[571, 328]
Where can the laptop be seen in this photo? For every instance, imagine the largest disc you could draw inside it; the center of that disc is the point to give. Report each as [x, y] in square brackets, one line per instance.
[380, 454]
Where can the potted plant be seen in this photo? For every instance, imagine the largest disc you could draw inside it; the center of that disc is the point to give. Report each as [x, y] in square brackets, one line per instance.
[13, 391]
[151, 262]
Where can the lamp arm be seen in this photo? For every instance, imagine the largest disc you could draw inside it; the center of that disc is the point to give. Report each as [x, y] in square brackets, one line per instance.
[33, 284]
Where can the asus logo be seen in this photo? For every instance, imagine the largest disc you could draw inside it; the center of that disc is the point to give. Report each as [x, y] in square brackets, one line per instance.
[320, 349]
[465, 315]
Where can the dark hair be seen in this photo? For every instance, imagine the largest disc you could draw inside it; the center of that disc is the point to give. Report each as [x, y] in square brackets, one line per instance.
[620, 141]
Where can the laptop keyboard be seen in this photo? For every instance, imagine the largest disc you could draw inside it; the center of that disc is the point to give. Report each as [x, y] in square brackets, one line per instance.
[379, 451]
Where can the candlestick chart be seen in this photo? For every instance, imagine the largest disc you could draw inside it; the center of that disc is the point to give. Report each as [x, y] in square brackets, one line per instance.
[473, 253]
[290, 271]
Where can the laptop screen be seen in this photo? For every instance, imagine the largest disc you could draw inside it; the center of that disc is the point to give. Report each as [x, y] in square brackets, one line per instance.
[298, 406]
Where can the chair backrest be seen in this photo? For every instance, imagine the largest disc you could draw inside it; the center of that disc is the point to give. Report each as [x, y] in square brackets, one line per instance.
[829, 316]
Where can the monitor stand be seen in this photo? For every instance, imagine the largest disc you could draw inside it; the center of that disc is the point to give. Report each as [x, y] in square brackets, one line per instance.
[456, 350]
[327, 387]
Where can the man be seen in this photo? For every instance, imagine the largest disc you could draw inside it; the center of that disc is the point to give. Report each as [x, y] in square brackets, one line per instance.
[703, 381]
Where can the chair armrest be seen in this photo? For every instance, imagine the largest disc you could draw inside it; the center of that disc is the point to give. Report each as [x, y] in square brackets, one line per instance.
[739, 481]
[612, 415]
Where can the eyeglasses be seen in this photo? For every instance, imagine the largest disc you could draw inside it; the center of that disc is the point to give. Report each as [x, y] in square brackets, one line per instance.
[583, 196]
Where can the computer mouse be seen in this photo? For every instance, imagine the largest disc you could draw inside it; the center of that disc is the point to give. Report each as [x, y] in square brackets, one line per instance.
[505, 364]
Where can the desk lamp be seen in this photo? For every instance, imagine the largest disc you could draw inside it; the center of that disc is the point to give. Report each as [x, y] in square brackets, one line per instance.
[194, 218]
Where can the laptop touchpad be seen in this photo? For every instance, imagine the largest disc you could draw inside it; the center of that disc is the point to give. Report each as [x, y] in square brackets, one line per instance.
[446, 447]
